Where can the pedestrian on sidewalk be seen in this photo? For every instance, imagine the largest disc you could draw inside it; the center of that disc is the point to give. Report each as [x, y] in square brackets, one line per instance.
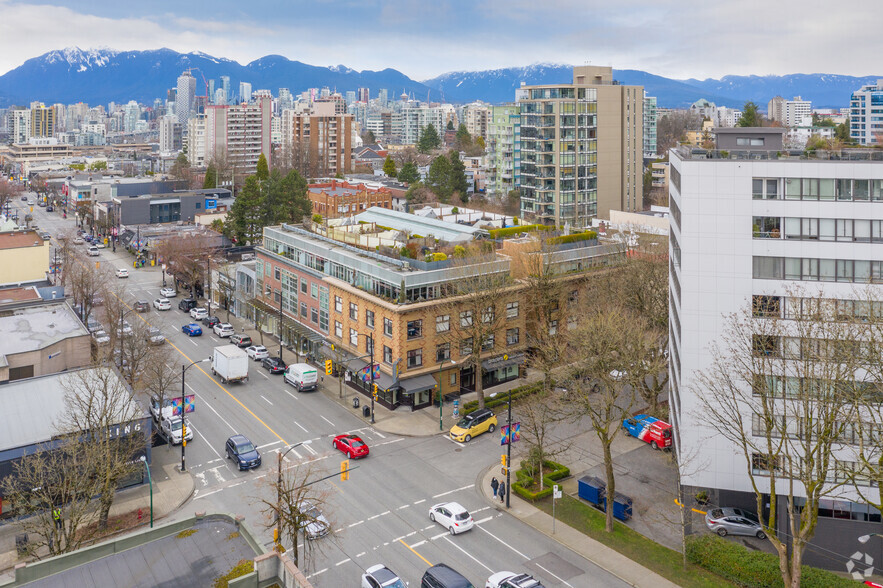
[502, 492]
[56, 515]
[494, 485]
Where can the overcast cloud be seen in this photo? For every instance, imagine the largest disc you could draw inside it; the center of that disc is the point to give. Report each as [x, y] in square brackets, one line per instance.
[424, 38]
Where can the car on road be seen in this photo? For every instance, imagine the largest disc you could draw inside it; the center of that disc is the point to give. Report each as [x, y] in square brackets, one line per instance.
[78, 241]
[122, 273]
[734, 521]
[452, 516]
[141, 306]
[211, 321]
[473, 424]
[124, 329]
[242, 452]
[168, 292]
[649, 429]
[444, 576]
[317, 525]
[380, 576]
[186, 304]
[24, 198]
[50, 208]
[198, 313]
[240, 340]
[512, 580]
[93, 251]
[351, 445]
[93, 325]
[257, 352]
[192, 330]
[155, 336]
[100, 244]
[171, 429]
[274, 365]
[223, 330]
[162, 304]
[101, 338]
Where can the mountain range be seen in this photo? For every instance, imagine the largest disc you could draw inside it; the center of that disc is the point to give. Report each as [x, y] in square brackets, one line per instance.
[99, 76]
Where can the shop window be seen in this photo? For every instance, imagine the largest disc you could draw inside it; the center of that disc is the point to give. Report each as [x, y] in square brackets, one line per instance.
[415, 358]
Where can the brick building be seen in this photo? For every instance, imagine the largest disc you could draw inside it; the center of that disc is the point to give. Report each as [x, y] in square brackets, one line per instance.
[334, 198]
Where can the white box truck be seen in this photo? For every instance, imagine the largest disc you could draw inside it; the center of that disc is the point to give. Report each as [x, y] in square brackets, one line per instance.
[302, 376]
[230, 363]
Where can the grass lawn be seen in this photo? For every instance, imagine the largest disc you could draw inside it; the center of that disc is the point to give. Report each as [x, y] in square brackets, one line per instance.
[653, 556]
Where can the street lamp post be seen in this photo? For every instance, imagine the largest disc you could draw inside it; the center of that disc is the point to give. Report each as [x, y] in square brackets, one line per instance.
[150, 481]
[184, 369]
[508, 444]
[282, 454]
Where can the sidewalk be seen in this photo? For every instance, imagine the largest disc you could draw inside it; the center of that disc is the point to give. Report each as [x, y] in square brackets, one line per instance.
[602, 556]
[171, 490]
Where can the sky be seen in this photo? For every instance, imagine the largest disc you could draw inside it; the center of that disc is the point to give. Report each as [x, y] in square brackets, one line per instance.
[424, 38]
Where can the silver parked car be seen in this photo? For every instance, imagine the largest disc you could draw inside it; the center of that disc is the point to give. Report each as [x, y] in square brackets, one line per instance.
[734, 521]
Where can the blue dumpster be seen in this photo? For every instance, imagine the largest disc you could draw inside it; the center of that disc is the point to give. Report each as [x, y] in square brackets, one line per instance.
[622, 507]
[592, 490]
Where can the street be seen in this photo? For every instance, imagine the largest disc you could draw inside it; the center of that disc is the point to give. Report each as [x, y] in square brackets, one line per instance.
[380, 515]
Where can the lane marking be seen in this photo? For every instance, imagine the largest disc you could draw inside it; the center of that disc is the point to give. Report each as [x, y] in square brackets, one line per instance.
[403, 507]
[194, 344]
[270, 444]
[355, 524]
[311, 450]
[266, 377]
[420, 502]
[323, 570]
[327, 421]
[360, 554]
[265, 398]
[469, 555]
[301, 426]
[289, 393]
[414, 551]
[211, 408]
[446, 436]
[340, 563]
[452, 491]
[419, 543]
[381, 435]
[437, 536]
[215, 451]
[553, 575]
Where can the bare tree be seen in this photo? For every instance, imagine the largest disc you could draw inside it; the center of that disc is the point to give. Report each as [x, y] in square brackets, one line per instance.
[160, 378]
[99, 409]
[186, 258]
[54, 477]
[226, 285]
[87, 280]
[299, 506]
[540, 415]
[781, 391]
[603, 346]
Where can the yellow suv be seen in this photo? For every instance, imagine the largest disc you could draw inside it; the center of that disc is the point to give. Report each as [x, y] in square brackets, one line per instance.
[475, 423]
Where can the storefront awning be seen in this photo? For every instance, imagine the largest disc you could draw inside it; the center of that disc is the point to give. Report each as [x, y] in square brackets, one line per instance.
[418, 384]
[355, 365]
[502, 361]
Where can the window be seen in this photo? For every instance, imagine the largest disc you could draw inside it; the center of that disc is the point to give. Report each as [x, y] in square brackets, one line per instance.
[314, 290]
[768, 268]
[487, 315]
[767, 227]
[443, 323]
[415, 358]
[764, 464]
[277, 273]
[443, 352]
[338, 304]
[354, 338]
[466, 346]
[466, 318]
[338, 329]
[314, 315]
[766, 306]
[304, 285]
[303, 309]
[765, 345]
[454, 378]
[387, 354]
[387, 327]
[511, 310]
[415, 329]
[512, 336]
[488, 343]
[764, 189]
[354, 311]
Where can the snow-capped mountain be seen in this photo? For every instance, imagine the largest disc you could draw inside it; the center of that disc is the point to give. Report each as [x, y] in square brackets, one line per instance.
[98, 76]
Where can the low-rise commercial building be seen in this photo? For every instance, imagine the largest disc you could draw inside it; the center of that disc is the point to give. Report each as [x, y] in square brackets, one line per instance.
[24, 257]
[334, 198]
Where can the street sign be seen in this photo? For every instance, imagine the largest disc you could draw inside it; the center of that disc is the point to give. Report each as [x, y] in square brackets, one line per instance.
[556, 491]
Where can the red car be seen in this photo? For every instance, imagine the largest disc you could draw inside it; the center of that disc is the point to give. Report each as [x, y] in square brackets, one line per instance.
[352, 445]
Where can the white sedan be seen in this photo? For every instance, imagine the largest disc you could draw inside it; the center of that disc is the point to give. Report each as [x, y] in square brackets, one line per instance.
[257, 352]
[512, 580]
[198, 313]
[162, 304]
[452, 516]
[380, 576]
[168, 293]
[122, 273]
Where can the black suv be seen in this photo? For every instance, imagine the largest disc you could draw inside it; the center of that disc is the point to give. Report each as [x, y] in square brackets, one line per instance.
[442, 576]
[186, 304]
[141, 306]
[211, 321]
[274, 364]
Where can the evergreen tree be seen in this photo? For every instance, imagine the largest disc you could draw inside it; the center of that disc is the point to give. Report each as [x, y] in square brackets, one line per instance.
[263, 170]
[841, 133]
[479, 141]
[368, 137]
[464, 139]
[429, 139]
[246, 216]
[750, 115]
[181, 168]
[211, 177]
[286, 199]
[409, 174]
[450, 126]
[439, 177]
[457, 177]
[389, 167]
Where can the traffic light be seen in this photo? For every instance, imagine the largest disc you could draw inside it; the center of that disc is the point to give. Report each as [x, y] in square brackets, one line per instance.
[328, 367]
[375, 391]
[503, 460]
[345, 470]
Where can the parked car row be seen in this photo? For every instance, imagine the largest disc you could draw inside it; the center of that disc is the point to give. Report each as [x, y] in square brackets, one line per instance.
[444, 576]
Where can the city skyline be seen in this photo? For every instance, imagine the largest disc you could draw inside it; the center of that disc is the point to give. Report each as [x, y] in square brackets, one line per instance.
[666, 38]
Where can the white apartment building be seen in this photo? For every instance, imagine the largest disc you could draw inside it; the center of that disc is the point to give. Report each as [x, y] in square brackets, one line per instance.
[749, 227]
[241, 131]
[20, 125]
[790, 113]
[167, 131]
[866, 114]
[185, 98]
[196, 140]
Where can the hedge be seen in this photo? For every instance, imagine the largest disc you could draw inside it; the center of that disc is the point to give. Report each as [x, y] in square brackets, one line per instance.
[586, 236]
[752, 569]
[509, 231]
[501, 399]
[558, 472]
